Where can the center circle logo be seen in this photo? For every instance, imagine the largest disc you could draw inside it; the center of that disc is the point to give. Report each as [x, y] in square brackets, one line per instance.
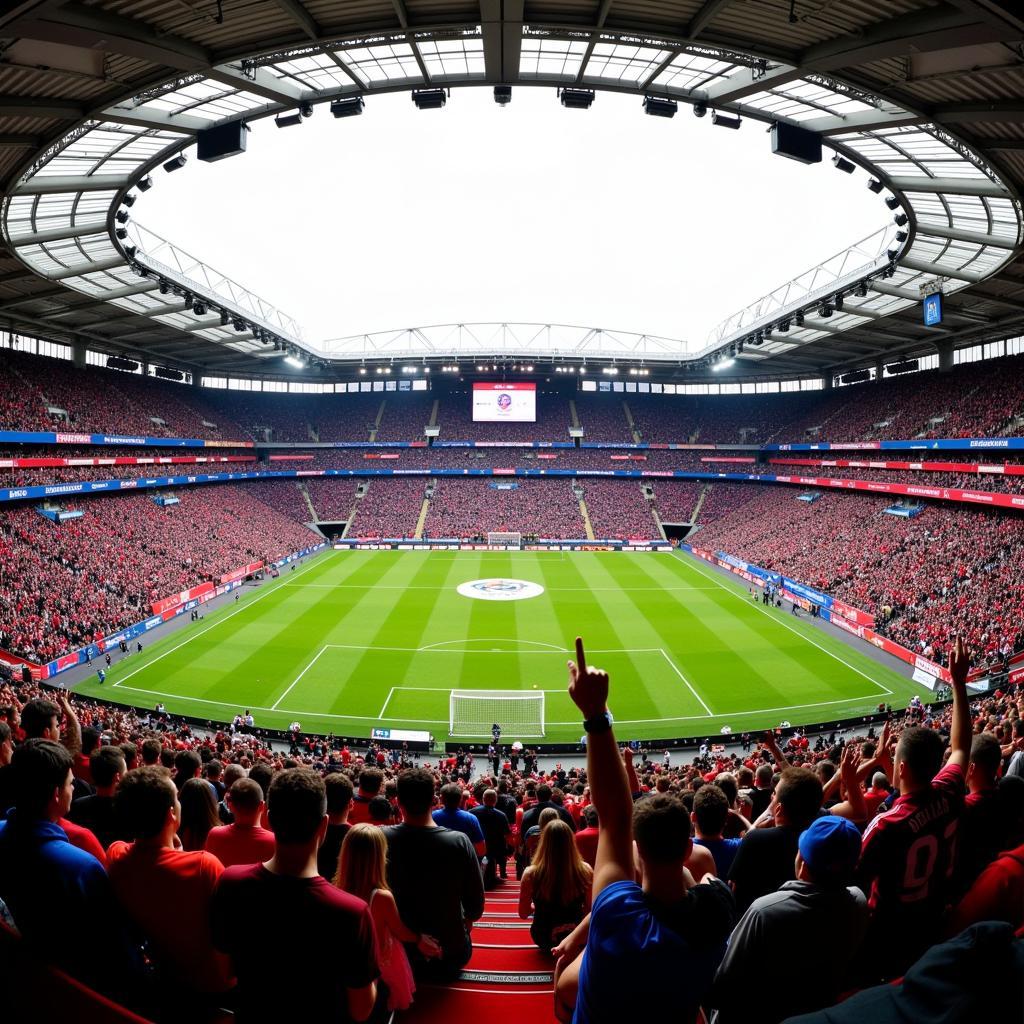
[500, 590]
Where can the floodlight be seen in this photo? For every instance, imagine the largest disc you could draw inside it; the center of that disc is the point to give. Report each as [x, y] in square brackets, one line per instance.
[429, 99]
[861, 291]
[841, 164]
[128, 200]
[577, 99]
[900, 219]
[238, 325]
[350, 107]
[875, 185]
[503, 95]
[225, 318]
[783, 327]
[660, 108]
[145, 184]
[123, 216]
[824, 311]
[798, 318]
[725, 120]
[892, 202]
[199, 308]
[700, 109]
[130, 251]
[893, 254]
[176, 163]
[293, 361]
[288, 120]
[165, 286]
[837, 301]
[901, 236]
[121, 233]
[724, 364]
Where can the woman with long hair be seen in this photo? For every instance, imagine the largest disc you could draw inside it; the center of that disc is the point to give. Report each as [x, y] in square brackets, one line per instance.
[362, 868]
[556, 886]
[198, 814]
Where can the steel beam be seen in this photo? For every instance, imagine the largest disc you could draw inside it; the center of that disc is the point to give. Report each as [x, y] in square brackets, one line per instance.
[260, 82]
[967, 113]
[46, 186]
[300, 16]
[950, 186]
[138, 117]
[957, 235]
[924, 267]
[41, 106]
[91, 27]
[866, 121]
[709, 10]
[59, 234]
[744, 84]
[490, 30]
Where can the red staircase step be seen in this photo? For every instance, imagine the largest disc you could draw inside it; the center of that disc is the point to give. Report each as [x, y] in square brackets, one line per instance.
[458, 1003]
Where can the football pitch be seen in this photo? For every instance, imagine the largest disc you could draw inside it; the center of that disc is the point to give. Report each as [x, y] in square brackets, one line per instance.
[356, 640]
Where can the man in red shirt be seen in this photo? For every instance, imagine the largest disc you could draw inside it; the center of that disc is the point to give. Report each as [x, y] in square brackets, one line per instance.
[245, 841]
[331, 974]
[997, 895]
[167, 892]
[908, 853]
[586, 838]
[370, 782]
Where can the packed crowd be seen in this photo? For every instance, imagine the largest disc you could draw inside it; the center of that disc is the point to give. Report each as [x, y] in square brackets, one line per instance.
[388, 509]
[942, 573]
[472, 508]
[552, 423]
[618, 509]
[901, 852]
[64, 585]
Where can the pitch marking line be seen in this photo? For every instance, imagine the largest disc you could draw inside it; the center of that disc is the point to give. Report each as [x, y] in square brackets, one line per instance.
[686, 682]
[391, 694]
[782, 622]
[316, 657]
[241, 607]
[444, 721]
[553, 590]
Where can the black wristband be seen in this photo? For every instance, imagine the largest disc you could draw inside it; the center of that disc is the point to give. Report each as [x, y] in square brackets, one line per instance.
[599, 723]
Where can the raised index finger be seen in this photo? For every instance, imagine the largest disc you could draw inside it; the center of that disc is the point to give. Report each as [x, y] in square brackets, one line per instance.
[581, 658]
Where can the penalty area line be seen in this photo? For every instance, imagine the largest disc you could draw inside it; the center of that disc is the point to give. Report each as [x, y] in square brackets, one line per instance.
[384, 706]
[686, 682]
[273, 707]
[779, 621]
[213, 625]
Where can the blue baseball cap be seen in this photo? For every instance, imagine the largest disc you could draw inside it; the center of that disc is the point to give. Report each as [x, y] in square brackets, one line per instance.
[831, 846]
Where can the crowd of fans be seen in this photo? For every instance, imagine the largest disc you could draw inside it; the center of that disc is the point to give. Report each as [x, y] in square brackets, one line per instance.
[618, 509]
[941, 573]
[471, 508]
[658, 885]
[65, 584]
[390, 508]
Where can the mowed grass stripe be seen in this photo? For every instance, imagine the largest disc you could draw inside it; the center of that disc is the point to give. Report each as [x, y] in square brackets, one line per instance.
[744, 668]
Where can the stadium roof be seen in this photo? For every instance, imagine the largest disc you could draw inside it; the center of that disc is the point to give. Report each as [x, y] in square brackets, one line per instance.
[924, 95]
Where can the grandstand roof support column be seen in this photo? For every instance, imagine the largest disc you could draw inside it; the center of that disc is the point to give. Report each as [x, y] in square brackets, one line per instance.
[945, 350]
[78, 353]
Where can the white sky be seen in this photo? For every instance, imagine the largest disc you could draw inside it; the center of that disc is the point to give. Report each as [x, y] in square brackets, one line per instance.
[604, 218]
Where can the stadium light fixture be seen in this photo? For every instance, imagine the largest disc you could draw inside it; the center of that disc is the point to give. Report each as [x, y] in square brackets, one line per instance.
[145, 184]
[123, 216]
[199, 307]
[129, 200]
[700, 109]
[225, 318]
[725, 120]
[238, 325]
[900, 219]
[503, 95]
[875, 185]
[844, 165]
[429, 99]
[783, 327]
[837, 300]
[861, 291]
[824, 311]
[892, 202]
[293, 361]
[660, 108]
[130, 251]
[576, 99]
[176, 163]
[121, 233]
[288, 120]
[798, 318]
[352, 106]
[723, 364]
[362, 370]
[901, 236]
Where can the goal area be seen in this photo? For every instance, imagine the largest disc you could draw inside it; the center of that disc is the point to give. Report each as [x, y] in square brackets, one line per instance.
[505, 538]
[474, 712]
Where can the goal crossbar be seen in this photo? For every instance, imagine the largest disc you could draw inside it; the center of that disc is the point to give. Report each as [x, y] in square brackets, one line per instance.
[519, 713]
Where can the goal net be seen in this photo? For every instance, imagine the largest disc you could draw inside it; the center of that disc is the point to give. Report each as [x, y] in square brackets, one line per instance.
[512, 540]
[474, 712]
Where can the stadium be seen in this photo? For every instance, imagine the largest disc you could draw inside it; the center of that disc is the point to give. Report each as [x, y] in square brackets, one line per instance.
[623, 641]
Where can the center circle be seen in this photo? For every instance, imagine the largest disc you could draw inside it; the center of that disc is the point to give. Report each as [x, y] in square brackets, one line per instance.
[500, 589]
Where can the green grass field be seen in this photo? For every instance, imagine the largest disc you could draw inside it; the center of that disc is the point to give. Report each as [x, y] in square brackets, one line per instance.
[359, 639]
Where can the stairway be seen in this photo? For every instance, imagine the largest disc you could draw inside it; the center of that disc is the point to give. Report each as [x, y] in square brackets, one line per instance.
[309, 502]
[422, 521]
[700, 503]
[376, 422]
[586, 519]
[433, 413]
[507, 980]
[632, 423]
[574, 419]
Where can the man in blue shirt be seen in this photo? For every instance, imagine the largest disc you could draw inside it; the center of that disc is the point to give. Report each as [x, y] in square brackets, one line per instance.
[710, 813]
[448, 815]
[51, 888]
[652, 949]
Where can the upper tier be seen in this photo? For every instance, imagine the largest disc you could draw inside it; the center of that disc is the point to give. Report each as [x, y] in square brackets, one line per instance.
[975, 400]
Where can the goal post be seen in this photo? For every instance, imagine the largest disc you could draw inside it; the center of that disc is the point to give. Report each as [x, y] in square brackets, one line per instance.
[505, 538]
[473, 712]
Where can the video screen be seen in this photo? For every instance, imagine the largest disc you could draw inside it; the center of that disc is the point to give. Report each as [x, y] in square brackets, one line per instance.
[505, 403]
